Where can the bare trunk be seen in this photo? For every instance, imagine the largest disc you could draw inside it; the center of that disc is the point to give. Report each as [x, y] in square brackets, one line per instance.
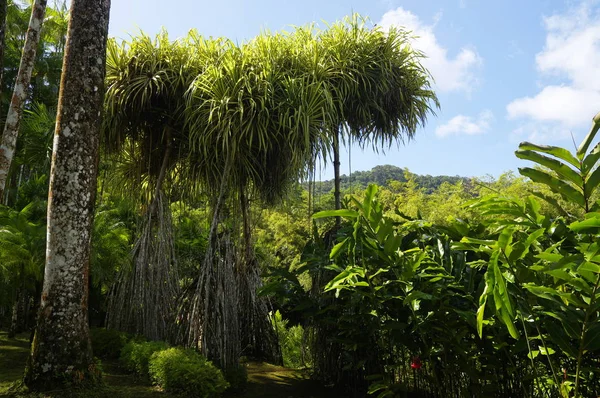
[259, 339]
[15, 110]
[61, 352]
[3, 12]
[336, 172]
[14, 320]
[16, 323]
[210, 315]
[142, 301]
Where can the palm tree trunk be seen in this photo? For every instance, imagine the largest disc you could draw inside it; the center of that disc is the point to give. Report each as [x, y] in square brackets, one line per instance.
[336, 173]
[61, 352]
[15, 110]
[245, 205]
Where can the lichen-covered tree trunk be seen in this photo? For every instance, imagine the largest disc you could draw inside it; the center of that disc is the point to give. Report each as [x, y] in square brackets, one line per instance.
[15, 110]
[61, 351]
[3, 13]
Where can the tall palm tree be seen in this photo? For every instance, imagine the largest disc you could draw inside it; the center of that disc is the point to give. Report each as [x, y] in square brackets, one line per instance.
[61, 351]
[145, 127]
[381, 92]
[13, 119]
[255, 117]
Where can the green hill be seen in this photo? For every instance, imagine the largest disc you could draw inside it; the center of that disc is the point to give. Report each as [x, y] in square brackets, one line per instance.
[382, 175]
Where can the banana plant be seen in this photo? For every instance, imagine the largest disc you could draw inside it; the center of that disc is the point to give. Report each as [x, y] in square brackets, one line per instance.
[575, 177]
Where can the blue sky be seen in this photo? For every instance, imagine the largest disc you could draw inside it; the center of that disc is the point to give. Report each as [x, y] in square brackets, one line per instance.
[505, 71]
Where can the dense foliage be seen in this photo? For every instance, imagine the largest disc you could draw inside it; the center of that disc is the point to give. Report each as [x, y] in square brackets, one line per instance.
[517, 286]
[433, 285]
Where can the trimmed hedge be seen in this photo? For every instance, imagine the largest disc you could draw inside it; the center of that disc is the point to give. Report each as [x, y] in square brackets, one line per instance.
[186, 372]
[135, 355]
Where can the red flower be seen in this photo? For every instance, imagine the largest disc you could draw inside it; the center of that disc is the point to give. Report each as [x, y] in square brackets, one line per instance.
[416, 363]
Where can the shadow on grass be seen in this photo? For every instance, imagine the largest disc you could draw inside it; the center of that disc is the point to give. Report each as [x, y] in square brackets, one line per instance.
[264, 380]
[270, 381]
[117, 383]
[13, 355]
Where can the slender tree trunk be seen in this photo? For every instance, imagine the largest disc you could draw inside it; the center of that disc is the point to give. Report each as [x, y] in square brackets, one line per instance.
[15, 110]
[245, 208]
[16, 321]
[258, 337]
[336, 173]
[3, 13]
[61, 352]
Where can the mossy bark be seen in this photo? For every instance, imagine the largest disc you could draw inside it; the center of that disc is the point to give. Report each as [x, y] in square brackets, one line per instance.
[17, 102]
[61, 350]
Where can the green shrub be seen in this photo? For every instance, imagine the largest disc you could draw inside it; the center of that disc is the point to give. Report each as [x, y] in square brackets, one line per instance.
[186, 372]
[108, 344]
[290, 341]
[135, 355]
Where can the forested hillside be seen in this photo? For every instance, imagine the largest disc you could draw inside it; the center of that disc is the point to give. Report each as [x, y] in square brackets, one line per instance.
[383, 175]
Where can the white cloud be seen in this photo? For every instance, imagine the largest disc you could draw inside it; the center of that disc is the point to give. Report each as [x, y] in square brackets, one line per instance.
[571, 55]
[540, 133]
[456, 73]
[466, 125]
[568, 105]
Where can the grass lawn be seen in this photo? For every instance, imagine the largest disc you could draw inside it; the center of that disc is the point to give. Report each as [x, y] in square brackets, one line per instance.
[264, 380]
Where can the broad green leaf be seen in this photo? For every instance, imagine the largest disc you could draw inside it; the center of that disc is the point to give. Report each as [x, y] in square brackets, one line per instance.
[559, 168]
[577, 226]
[592, 338]
[336, 213]
[552, 257]
[555, 151]
[553, 202]
[482, 242]
[592, 182]
[505, 239]
[591, 159]
[480, 314]
[508, 321]
[336, 249]
[556, 185]
[533, 237]
[571, 325]
[545, 292]
[590, 267]
[369, 197]
[585, 144]
[489, 286]
[558, 337]
[417, 295]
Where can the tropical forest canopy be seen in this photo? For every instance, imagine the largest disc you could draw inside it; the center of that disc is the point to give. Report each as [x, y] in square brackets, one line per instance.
[213, 242]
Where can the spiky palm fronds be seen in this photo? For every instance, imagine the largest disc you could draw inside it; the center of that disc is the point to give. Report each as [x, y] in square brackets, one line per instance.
[35, 138]
[260, 109]
[22, 243]
[381, 91]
